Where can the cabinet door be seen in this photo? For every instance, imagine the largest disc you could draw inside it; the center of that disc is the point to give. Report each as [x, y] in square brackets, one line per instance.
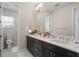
[49, 53]
[28, 43]
[36, 47]
[69, 53]
[36, 52]
[77, 54]
[55, 54]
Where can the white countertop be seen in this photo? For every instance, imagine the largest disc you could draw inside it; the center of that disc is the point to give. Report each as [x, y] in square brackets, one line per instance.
[70, 46]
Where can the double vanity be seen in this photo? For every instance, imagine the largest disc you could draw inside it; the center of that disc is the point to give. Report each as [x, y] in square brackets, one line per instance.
[48, 47]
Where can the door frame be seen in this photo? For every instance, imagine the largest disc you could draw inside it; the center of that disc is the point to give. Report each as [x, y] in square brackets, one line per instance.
[17, 25]
[73, 17]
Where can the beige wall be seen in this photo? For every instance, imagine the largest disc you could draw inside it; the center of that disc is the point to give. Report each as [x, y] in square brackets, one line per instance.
[26, 19]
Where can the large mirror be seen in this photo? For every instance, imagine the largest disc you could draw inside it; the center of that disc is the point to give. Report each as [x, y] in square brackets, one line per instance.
[56, 18]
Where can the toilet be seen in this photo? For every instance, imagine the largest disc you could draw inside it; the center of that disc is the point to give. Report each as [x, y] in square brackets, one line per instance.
[9, 43]
[9, 34]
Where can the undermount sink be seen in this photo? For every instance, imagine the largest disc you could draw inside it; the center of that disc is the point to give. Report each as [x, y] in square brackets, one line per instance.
[75, 45]
[61, 41]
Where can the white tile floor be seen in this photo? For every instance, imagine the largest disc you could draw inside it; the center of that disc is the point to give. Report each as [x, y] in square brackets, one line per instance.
[21, 53]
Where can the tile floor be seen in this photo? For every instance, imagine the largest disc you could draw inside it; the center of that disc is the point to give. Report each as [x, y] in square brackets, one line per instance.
[21, 53]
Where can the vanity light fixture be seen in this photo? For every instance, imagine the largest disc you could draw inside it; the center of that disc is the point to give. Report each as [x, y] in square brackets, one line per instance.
[40, 5]
[36, 10]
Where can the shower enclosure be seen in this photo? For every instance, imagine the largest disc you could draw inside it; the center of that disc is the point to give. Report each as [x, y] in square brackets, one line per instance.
[8, 24]
[0, 27]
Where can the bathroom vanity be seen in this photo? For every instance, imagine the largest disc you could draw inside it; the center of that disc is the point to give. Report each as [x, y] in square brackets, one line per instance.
[56, 23]
[44, 47]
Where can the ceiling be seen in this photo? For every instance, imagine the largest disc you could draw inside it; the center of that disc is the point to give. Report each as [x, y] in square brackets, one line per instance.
[52, 6]
[47, 6]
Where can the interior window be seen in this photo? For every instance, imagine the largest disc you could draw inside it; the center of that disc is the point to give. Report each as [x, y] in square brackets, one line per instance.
[8, 21]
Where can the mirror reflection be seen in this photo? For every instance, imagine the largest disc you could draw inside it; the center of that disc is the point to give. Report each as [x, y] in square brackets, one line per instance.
[56, 19]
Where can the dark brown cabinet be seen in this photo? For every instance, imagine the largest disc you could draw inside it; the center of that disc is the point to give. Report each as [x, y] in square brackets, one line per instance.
[43, 49]
[29, 43]
[50, 53]
[51, 50]
[35, 46]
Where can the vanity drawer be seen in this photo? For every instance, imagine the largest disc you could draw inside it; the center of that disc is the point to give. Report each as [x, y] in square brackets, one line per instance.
[37, 41]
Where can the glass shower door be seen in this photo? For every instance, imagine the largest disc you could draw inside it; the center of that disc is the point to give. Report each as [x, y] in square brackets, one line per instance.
[9, 26]
[1, 41]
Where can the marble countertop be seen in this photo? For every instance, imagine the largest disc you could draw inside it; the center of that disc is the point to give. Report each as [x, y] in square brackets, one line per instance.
[67, 45]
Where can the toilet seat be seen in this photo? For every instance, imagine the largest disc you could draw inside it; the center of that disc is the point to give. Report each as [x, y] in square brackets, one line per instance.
[9, 43]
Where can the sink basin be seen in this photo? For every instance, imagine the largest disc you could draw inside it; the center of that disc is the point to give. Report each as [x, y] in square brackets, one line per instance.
[61, 41]
[75, 44]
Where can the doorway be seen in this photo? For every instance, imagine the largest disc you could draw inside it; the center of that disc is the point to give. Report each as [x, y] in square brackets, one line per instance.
[9, 19]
